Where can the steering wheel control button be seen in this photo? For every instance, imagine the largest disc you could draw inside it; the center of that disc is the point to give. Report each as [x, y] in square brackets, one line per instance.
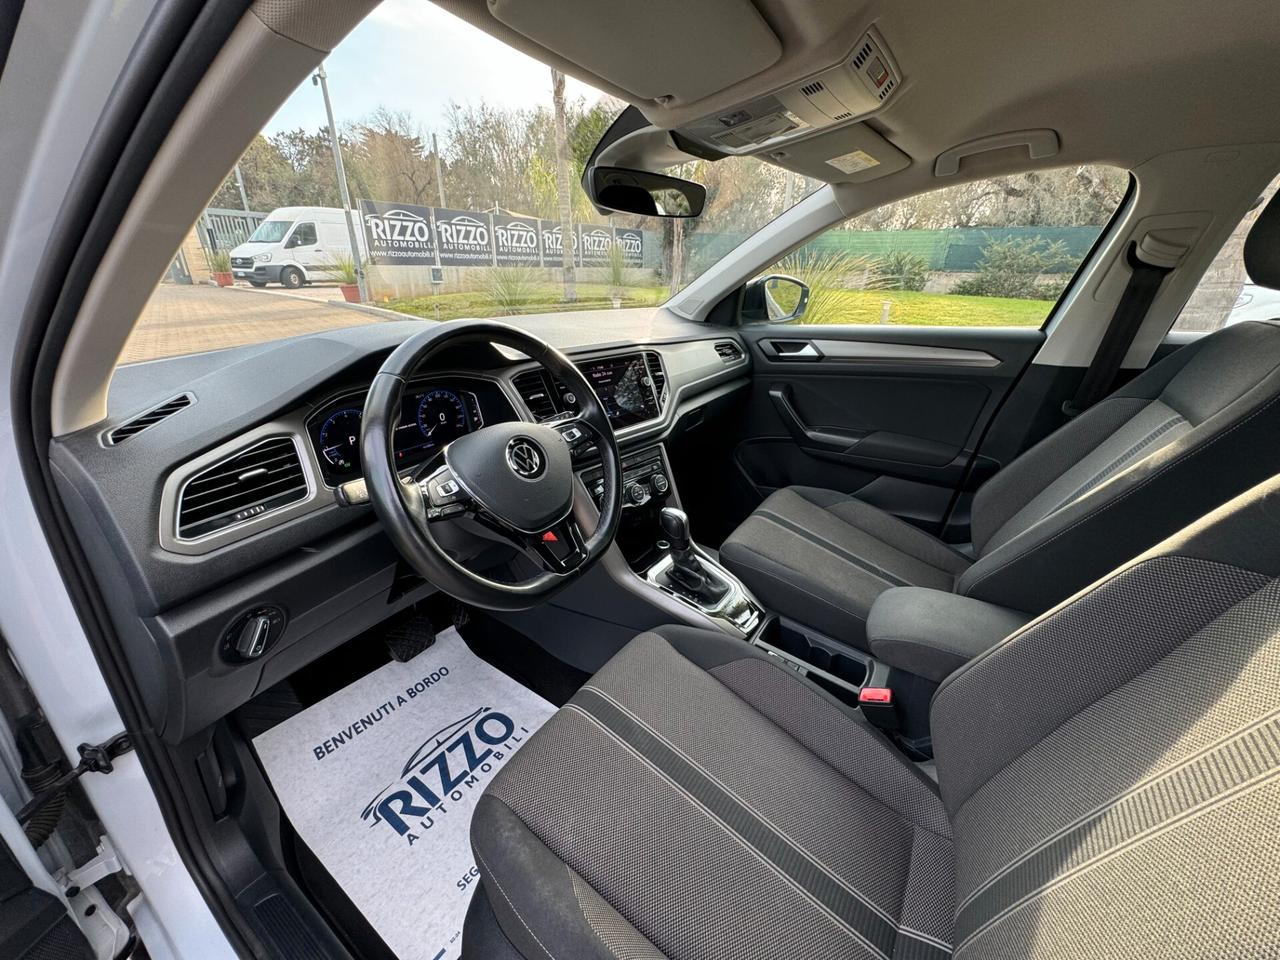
[527, 459]
[571, 435]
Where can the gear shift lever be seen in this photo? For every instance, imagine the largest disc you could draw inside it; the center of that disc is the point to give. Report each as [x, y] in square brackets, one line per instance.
[686, 571]
[675, 527]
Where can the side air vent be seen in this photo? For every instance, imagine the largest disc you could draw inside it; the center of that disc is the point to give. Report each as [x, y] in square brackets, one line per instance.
[729, 351]
[249, 484]
[659, 376]
[153, 416]
[534, 388]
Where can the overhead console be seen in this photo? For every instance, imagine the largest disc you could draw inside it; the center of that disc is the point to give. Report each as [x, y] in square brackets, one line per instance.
[812, 126]
[855, 88]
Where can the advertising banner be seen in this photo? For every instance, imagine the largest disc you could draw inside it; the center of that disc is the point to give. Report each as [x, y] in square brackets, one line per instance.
[463, 238]
[405, 234]
[516, 239]
[553, 243]
[594, 244]
[397, 233]
[632, 244]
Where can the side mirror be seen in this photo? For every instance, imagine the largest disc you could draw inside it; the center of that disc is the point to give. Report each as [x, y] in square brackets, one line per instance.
[292, 242]
[776, 298]
[644, 193]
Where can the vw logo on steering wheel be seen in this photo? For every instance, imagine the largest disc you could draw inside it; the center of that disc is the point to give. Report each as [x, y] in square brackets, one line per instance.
[525, 458]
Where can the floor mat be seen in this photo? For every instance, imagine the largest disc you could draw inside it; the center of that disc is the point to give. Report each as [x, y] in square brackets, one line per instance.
[380, 781]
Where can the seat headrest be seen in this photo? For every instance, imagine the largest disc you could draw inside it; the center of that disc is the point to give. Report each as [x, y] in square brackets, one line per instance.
[1262, 247]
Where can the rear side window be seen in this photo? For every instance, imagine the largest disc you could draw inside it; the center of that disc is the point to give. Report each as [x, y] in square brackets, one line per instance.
[1226, 294]
[996, 252]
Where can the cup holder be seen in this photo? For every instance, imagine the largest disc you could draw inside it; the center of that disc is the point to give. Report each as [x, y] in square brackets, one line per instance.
[843, 664]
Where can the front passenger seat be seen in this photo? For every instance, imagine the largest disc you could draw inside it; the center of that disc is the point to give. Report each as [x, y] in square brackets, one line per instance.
[1108, 785]
[1181, 438]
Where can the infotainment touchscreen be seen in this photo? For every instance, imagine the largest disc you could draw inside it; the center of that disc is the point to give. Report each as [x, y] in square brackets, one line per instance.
[624, 387]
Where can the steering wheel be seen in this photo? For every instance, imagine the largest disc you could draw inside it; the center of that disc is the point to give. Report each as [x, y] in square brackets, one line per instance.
[513, 478]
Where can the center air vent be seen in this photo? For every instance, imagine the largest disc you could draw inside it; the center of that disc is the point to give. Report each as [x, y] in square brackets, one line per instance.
[247, 485]
[535, 389]
[153, 416]
[659, 376]
[729, 351]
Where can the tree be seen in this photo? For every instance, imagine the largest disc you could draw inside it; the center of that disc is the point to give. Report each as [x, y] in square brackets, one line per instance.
[1012, 268]
[389, 160]
[562, 187]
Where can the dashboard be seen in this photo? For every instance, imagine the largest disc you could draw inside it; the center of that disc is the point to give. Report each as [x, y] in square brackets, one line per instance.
[326, 570]
[434, 411]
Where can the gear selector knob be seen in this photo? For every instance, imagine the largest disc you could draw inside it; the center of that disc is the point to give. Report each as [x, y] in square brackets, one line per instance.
[675, 526]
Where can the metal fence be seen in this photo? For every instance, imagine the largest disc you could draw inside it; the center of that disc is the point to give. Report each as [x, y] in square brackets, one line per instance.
[222, 229]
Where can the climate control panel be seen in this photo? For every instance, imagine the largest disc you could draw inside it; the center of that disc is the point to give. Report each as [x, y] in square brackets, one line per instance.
[645, 479]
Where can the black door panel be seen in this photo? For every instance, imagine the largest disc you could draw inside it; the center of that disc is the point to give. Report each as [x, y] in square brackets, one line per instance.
[893, 413]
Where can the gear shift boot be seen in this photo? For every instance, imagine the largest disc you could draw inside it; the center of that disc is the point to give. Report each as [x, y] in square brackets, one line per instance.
[689, 577]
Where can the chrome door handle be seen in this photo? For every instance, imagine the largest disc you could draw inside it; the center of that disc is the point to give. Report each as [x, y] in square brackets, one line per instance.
[795, 350]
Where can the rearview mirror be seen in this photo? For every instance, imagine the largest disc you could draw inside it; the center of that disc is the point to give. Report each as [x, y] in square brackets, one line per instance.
[644, 193]
[777, 298]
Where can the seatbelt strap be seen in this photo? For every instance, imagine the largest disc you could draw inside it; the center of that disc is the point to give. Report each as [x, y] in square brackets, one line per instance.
[1144, 282]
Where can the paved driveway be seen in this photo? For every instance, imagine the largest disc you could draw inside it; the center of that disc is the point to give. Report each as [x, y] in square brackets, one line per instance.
[189, 319]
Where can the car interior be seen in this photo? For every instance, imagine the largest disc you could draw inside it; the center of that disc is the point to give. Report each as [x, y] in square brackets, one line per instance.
[854, 639]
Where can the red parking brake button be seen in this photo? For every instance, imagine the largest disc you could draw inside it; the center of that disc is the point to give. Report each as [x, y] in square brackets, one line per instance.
[876, 695]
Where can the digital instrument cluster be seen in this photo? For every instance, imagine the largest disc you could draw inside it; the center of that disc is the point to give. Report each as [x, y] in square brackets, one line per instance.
[432, 413]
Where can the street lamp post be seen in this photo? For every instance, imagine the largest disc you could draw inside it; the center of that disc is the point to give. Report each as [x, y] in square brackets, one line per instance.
[320, 79]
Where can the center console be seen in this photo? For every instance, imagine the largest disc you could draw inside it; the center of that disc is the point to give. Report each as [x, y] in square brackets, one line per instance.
[654, 537]
[673, 577]
[647, 487]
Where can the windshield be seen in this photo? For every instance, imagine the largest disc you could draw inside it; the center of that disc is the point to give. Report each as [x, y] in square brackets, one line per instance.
[463, 176]
[270, 231]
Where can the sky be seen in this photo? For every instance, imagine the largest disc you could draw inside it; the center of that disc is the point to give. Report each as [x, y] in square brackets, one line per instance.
[410, 56]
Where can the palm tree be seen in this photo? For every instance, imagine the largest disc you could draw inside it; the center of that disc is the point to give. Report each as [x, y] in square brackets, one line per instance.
[562, 187]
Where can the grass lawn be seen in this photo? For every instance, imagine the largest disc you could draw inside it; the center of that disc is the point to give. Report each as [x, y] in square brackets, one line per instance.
[838, 306]
[540, 298]
[930, 309]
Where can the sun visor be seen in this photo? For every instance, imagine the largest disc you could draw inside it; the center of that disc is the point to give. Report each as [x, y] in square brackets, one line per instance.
[655, 50]
[850, 154]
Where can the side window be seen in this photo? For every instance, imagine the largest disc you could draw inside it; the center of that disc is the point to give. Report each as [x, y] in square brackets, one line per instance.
[995, 252]
[304, 235]
[1225, 294]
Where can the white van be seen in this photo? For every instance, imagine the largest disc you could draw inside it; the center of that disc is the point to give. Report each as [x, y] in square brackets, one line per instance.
[295, 245]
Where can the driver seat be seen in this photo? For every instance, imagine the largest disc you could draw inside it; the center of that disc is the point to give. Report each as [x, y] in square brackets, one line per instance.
[1107, 785]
